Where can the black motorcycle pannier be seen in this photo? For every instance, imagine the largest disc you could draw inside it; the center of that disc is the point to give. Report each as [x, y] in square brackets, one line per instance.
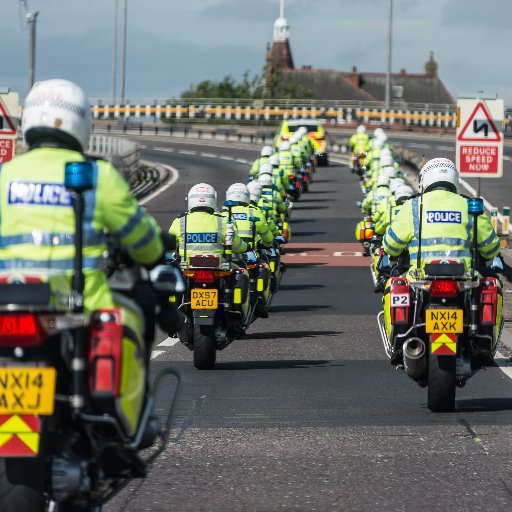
[444, 269]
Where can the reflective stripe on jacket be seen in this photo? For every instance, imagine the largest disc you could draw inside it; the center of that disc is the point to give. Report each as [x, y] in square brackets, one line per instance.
[446, 230]
[37, 222]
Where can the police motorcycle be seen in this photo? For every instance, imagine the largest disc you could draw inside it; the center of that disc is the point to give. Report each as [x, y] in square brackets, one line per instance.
[357, 163]
[217, 302]
[75, 404]
[445, 325]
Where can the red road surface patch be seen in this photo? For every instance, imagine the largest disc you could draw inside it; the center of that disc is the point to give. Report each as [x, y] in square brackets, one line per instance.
[326, 254]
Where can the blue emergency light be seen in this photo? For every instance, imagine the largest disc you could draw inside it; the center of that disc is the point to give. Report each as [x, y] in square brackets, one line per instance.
[78, 176]
[475, 206]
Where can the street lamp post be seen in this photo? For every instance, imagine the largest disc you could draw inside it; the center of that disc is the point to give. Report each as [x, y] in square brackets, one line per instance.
[114, 54]
[388, 70]
[123, 53]
[31, 21]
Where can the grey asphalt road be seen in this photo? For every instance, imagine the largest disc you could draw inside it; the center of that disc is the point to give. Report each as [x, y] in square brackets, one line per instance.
[306, 413]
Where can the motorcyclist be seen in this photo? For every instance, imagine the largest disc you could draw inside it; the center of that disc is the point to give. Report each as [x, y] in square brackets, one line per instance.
[266, 152]
[202, 229]
[358, 142]
[37, 224]
[254, 188]
[446, 227]
[270, 201]
[252, 228]
[380, 192]
[277, 179]
[249, 231]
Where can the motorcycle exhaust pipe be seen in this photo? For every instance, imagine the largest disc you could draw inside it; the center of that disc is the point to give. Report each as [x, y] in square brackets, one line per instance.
[415, 360]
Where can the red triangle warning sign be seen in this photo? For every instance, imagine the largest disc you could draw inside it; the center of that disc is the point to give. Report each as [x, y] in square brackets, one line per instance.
[480, 127]
[6, 125]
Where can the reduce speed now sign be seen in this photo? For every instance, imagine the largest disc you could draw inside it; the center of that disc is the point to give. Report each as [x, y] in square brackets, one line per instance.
[480, 138]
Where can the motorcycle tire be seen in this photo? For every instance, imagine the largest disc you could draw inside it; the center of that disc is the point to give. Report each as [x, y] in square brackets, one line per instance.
[205, 348]
[22, 485]
[441, 383]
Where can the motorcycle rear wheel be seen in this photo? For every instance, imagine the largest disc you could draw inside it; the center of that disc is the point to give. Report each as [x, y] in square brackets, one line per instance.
[22, 485]
[441, 383]
[205, 348]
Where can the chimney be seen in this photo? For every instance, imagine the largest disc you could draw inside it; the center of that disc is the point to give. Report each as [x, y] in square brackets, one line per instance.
[403, 72]
[354, 77]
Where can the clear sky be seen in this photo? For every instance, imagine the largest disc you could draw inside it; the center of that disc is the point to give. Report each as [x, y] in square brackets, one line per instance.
[174, 43]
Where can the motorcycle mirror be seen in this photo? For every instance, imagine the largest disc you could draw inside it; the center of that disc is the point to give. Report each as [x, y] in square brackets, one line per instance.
[167, 279]
[254, 219]
[358, 203]
[497, 265]
[78, 176]
[230, 204]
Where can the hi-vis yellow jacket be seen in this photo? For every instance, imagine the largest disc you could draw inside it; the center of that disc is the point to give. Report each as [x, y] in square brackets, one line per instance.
[37, 222]
[446, 230]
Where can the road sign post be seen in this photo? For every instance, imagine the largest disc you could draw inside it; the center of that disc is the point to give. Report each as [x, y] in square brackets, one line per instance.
[479, 151]
[9, 106]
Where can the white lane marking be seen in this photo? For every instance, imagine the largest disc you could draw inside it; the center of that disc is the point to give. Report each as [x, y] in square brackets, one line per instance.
[416, 145]
[226, 158]
[445, 148]
[241, 161]
[170, 183]
[186, 152]
[167, 150]
[208, 155]
[169, 342]
[507, 158]
[142, 146]
[504, 364]
[156, 353]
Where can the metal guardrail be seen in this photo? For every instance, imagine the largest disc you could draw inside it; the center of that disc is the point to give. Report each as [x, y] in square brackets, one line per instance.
[124, 154]
[244, 110]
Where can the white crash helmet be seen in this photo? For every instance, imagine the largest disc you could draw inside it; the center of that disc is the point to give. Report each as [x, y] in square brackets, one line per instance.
[377, 132]
[254, 188]
[386, 151]
[386, 158]
[265, 180]
[202, 195]
[403, 191]
[57, 106]
[389, 171]
[396, 183]
[382, 181]
[438, 170]
[265, 169]
[303, 130]
[273, 159]
[266, 150]
[284, 146]
[238, 192]
[361, 129]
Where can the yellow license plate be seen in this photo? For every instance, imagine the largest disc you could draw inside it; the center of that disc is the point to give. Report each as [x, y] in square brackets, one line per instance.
[204, 299]
[444, 320]
[27, 391]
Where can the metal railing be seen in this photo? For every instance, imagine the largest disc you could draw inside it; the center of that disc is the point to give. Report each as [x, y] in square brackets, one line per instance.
[124, 154]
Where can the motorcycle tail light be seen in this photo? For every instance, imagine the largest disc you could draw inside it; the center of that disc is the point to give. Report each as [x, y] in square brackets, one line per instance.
[488, 301]
[21, 330]
[204, 276]
[105, 352]
[446, 289]
[399, 301]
